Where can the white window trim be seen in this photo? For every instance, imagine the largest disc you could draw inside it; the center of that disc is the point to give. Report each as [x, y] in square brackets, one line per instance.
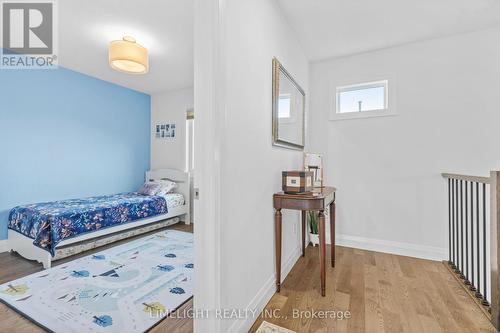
[389, 102]
[190, 145]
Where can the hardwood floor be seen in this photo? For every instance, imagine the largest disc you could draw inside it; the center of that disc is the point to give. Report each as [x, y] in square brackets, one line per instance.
[13, 266]
[382, 292]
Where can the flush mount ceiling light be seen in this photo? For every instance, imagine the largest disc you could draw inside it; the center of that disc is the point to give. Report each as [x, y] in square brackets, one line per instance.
[127, 56]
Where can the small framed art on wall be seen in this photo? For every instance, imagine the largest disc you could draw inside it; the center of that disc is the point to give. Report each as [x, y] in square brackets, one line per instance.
[165, 131]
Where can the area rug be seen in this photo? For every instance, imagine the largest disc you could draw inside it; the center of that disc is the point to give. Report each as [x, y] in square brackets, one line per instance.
[127, 288]
[266, 327]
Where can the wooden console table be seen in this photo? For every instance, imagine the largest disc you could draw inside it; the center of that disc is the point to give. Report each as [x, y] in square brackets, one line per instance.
[318, 200]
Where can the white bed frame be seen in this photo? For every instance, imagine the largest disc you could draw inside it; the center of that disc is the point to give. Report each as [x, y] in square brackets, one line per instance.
[24, 245]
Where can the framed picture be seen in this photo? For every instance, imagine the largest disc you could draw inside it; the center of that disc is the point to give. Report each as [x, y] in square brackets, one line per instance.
[314, 163]
[165, 131]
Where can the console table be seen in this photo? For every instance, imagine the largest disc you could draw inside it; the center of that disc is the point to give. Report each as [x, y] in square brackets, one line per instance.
[318, 200]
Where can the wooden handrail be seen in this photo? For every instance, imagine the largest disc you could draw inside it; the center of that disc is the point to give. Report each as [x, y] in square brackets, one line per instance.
[477, 179]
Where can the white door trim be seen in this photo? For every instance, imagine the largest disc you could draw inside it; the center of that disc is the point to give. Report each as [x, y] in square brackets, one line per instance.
[209, 103]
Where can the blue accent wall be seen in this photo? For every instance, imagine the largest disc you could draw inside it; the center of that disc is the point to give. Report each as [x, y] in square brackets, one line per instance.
[67, 135]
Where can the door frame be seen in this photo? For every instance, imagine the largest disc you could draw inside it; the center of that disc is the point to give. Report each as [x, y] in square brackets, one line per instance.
[209, 103]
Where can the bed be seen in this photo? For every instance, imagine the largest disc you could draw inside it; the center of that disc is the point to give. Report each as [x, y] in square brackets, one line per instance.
[53, 230]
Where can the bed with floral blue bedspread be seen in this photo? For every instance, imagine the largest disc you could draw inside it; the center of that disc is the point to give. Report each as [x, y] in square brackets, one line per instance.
[52, 222]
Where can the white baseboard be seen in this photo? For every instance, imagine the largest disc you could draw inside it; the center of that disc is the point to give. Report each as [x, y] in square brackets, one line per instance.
[265, 293]
[4, 245]
[385, 246]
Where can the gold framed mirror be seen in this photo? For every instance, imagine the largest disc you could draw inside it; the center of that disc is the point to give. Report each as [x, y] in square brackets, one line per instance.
[289, 101]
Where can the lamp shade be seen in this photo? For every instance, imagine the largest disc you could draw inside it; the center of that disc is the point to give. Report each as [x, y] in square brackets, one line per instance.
[127, 56]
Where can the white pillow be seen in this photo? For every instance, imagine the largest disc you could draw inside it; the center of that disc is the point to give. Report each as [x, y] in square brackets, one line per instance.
[150, 188]
[166, 186]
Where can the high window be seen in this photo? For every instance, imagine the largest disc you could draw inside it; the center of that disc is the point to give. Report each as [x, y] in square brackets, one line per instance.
[362, 100]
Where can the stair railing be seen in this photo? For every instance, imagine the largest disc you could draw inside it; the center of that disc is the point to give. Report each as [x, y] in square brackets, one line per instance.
[473, 237]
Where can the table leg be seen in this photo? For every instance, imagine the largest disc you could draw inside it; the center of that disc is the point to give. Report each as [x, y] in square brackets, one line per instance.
[304, 213]
[277, 227]
[332, 233]
[322, 251]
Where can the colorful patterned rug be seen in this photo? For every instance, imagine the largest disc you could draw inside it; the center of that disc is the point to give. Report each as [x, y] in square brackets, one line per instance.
[128, 288]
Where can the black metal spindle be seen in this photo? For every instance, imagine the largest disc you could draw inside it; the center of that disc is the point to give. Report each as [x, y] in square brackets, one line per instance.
[478, 287]
[457, 247]
[449, 222]
[472, 287]
[453, 224]
[466, 271]
[484, 302]
[462, 276]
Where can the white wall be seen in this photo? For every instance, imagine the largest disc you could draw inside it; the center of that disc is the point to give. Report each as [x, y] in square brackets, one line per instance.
[391, 196]
[170, 108]
[254, 32]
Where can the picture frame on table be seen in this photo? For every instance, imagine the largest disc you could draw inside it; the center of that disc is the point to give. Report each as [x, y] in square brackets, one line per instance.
[314, 162]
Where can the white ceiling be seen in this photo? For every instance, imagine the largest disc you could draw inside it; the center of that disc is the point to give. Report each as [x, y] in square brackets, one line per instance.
[165, 27]
[334, 28]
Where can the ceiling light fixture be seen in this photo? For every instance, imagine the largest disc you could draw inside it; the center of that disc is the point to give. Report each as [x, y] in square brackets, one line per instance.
[127, 56]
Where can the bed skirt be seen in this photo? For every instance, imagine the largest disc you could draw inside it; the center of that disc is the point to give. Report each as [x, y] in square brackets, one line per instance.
[72, 249]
